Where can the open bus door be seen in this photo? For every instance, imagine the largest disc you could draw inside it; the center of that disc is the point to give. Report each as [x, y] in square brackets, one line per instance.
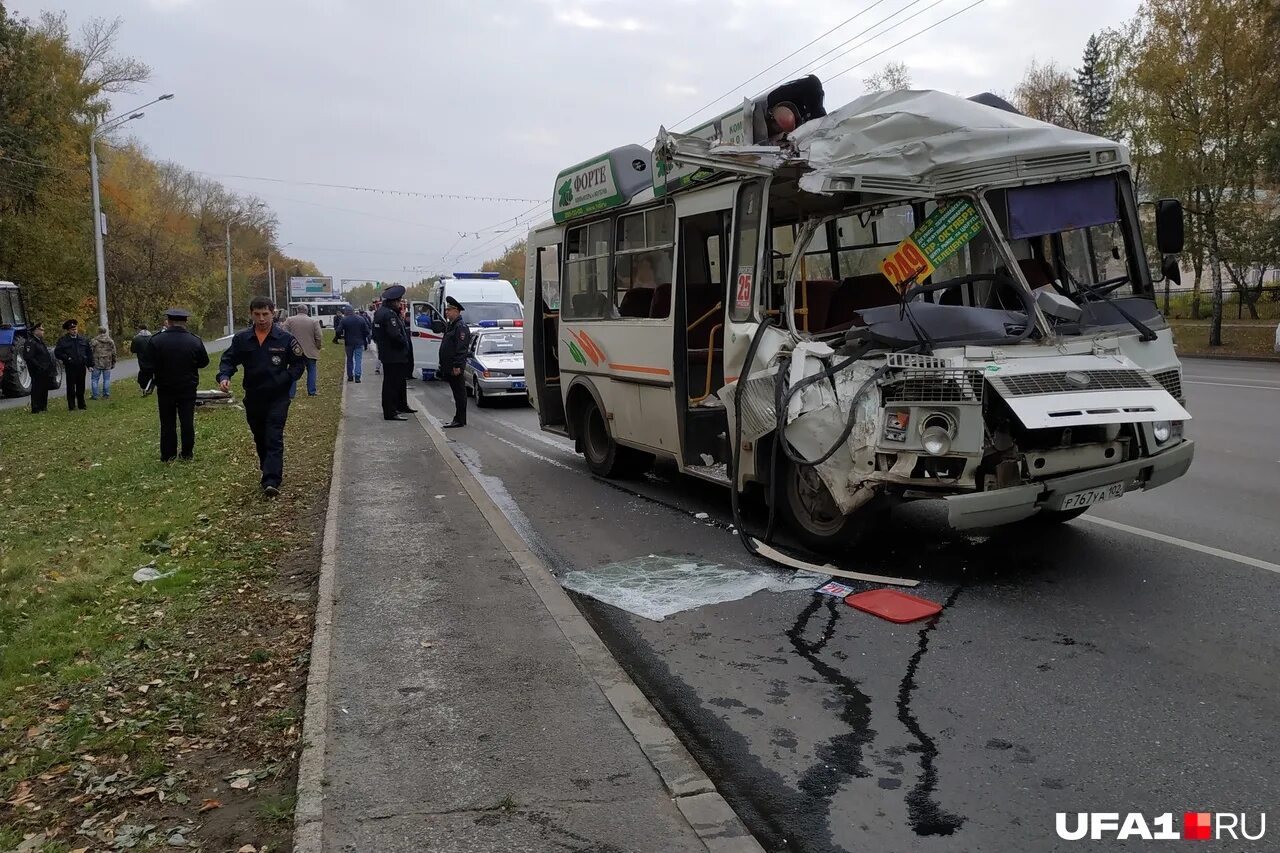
[542, 325]
[702, 267]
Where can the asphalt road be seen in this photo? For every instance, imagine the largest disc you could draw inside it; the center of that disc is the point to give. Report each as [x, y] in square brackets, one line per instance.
[125, 370]
[1082, 668]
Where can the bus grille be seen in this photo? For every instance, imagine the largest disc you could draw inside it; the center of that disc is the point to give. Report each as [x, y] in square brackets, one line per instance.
[935, 386]
[1031, 384]
[1172, 381]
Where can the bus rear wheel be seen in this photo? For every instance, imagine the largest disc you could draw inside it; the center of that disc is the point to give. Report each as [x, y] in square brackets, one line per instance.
[605, 457]
[812, 513]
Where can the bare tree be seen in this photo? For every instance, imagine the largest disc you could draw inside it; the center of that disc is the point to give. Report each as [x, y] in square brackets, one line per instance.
[891, 78]
[102, 69]
[1047, 92]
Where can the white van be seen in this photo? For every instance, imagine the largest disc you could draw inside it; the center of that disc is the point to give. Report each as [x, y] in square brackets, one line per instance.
[487, 300]
[327, 311]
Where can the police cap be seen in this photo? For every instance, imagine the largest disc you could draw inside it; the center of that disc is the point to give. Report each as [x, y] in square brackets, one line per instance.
[395, 291]
[177, 314]
[450, 302]
[68, 324]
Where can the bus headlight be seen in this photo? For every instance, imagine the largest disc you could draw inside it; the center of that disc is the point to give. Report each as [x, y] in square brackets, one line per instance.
[936, 432]
[1162, 431]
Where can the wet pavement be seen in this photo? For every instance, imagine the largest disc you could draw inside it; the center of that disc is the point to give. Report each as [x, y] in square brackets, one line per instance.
[1077, 668]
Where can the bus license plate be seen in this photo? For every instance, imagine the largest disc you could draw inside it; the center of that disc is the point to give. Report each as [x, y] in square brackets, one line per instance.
[1089, 497]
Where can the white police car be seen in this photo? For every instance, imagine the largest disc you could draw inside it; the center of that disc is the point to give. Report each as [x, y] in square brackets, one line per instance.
[495, 364]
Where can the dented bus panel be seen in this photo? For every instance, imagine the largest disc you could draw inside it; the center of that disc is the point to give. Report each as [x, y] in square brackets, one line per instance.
[916, 296]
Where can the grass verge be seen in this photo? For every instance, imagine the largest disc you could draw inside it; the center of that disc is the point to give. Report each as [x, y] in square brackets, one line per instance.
[133, 713]
[1250, 338]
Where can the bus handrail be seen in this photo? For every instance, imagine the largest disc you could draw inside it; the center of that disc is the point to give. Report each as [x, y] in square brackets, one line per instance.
[705, 316]
[711, 363]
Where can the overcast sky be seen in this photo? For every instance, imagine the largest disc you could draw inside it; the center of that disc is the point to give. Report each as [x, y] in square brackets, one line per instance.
[494, 97]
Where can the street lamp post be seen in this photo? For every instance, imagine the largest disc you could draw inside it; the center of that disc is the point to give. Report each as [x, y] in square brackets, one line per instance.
[109, 124]
[230, 319]
[271, 274]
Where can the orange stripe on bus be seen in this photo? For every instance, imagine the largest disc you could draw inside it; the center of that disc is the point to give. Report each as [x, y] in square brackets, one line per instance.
[639, 368]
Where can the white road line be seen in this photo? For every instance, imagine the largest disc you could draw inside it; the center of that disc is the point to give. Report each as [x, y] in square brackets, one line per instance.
[1232, 385]
[527, 452]
[1189, 545]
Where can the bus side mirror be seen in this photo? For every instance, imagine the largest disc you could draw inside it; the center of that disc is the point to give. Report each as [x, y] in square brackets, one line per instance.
[1169, 231]
[1172, 272]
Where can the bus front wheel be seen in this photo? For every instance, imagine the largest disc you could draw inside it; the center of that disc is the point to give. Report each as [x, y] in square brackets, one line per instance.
[812, 514]
[605, 457]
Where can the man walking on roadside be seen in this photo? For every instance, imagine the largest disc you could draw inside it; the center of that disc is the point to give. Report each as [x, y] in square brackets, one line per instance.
[140, 346]
[104, 360]
[76, 356]
[273, 361]
[453, 357]
[395, 352]
[306, 330]
[353, 331]
[176, 358]
[43, 369]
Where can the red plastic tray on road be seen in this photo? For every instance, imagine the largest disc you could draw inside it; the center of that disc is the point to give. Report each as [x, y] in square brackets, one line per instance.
[893, 605]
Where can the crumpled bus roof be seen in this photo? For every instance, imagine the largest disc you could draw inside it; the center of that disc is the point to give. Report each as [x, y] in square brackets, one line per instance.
[899, 141]
[916, 144]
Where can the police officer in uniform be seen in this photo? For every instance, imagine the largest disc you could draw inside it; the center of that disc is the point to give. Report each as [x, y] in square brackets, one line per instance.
[272, 360]
[176, 358]
[395, 351]
[453, 357]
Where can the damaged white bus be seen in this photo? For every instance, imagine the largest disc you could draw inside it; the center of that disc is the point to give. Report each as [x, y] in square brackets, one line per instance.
[916, 296]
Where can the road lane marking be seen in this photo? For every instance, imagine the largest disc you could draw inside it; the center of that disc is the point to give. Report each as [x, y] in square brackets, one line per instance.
[1232, 385]
[1185, 543]
[533, 453]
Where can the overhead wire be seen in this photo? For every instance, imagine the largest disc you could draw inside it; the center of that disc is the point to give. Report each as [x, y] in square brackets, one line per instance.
[810, 68]
[905, 40]
[378, 190]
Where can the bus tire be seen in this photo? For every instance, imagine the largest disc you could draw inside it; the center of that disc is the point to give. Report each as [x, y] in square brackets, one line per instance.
[605, 457]
[812, 514]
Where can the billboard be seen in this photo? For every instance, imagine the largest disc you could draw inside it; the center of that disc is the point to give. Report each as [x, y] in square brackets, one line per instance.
[313, 286]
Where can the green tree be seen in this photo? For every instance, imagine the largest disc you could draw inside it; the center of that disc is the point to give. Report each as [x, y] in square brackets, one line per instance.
[1092, 88]
[1195, 88]
[510, 264]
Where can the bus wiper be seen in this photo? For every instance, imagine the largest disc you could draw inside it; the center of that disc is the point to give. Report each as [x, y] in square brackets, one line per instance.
[1147, 335]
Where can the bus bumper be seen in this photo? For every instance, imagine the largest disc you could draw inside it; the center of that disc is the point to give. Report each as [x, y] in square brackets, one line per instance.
[1004, 506]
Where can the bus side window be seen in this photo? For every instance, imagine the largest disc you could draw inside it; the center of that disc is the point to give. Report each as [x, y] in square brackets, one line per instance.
[586, 272]
[549, 277]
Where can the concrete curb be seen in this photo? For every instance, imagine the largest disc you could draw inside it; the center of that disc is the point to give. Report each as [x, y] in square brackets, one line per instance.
[710, 816]
[308, 815]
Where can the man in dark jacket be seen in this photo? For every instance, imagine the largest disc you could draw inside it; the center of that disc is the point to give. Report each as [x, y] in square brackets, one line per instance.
[395, 352]
[176, 358]
[140, 346]
[44, 371]
[353, 331]
[453, 357]
[76, 356]
[272, 360]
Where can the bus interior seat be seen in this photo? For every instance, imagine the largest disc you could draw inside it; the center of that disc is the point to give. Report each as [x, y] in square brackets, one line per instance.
[858, 293]
[660, 308]
[636, 302]
[591, 305]
[1036, 272]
